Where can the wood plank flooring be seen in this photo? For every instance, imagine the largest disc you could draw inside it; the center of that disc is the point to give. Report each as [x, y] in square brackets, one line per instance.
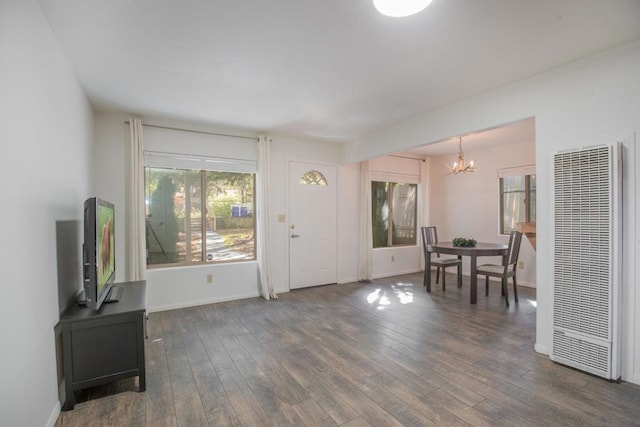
[383, 353]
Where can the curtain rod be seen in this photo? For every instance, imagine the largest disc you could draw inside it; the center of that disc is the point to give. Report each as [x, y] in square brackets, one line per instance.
[519, 167]
[196, 131]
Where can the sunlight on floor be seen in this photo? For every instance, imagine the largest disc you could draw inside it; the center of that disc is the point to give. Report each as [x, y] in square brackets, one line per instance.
[373, 296]
[401, 291]
[379, 299]
[533, 302]
[404, 295]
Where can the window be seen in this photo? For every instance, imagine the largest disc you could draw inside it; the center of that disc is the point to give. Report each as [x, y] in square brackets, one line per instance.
[394, 212]
[313, 178]
[517, 201]
[197, 216]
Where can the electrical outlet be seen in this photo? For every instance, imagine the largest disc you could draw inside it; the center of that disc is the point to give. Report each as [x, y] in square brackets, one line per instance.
[520, 265]
[209, 278]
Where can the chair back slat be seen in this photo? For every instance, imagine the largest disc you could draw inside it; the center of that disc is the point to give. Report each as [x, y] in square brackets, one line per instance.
[514, 248]
[429, 237]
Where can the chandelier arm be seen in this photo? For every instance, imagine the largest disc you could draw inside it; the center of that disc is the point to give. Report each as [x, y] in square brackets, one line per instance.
[460, 165]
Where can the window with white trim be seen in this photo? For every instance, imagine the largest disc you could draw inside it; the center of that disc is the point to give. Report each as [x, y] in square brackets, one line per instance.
[201, 210]
[394, 213]
[517, 197]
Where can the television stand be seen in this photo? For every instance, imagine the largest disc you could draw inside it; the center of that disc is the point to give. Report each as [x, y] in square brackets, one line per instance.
[102, 346]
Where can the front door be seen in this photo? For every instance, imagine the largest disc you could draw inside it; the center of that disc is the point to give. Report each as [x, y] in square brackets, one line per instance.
[312, 225]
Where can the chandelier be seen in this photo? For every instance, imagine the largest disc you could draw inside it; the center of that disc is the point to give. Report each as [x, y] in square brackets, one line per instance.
[460, 165]
[399, 8]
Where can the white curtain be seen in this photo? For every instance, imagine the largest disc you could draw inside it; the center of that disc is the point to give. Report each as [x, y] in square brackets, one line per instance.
[264, 258]
[424, 220]
[136, 241]
[365, 267]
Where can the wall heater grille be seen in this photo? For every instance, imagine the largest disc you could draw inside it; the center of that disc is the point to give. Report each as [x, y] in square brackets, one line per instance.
[586, 272]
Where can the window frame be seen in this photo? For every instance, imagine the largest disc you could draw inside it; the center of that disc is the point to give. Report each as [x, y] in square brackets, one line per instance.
[390, 228]
[203, 224]
[527, 199]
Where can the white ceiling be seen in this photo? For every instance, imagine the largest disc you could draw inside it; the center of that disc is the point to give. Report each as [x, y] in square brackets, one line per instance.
[512, 133]
[322, 69]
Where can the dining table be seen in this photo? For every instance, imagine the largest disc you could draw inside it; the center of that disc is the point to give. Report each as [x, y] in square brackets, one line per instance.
[473, 252]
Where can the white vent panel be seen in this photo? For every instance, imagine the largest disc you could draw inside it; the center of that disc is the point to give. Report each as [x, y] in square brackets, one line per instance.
[591, 356]
[585, 252]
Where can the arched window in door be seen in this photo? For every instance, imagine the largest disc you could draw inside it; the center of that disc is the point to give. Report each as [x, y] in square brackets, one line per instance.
[313, 177]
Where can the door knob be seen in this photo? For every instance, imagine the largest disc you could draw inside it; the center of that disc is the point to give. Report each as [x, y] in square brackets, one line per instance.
[293, 236]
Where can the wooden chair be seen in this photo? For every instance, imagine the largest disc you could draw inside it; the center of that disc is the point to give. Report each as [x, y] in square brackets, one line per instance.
[508, 269]
[430, 237]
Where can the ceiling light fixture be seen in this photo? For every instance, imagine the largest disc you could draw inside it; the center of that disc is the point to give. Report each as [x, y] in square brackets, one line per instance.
[460, 165]
[399, 8]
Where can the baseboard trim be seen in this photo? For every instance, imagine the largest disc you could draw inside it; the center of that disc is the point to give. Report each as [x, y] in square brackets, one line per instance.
[492, 279]
[396, 273]
[53, 418]
[633, 379]
[542, 349]
[347, 280]
[527, 285]
[166, 307]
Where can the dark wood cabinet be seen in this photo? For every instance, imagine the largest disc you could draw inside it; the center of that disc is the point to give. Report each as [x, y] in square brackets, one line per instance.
[105, 345]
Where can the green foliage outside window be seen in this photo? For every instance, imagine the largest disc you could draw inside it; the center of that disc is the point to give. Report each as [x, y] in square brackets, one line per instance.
[196, 216]
[394, 213]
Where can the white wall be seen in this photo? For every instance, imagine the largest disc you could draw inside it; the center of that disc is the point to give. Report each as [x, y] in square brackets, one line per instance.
[348, 222]
[286, 149]
[45, 150]
[469, 205]
[589, 102]
[109, 175]
[169, 288]
[460, 206]
[397, 260]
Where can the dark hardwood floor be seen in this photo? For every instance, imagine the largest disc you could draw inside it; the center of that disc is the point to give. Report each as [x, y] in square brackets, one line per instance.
[359, 354]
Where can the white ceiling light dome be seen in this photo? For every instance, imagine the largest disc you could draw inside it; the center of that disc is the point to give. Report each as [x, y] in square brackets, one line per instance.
[399, 8]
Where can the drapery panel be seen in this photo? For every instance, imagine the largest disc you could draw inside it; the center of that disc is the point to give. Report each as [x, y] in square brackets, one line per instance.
[365, 263]
[424, 204]
[135, 242]
[262, 181]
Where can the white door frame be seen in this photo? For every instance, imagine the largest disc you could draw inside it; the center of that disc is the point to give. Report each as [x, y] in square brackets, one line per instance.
[289, 218]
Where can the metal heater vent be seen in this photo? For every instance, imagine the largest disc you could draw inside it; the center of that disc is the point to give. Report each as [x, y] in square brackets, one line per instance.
[585, 258]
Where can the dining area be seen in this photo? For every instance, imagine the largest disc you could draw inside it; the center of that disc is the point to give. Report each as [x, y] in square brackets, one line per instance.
[446, 254]
[480, 206]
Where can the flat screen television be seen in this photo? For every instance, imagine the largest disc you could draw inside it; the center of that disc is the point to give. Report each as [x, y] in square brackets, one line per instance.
[99, 263]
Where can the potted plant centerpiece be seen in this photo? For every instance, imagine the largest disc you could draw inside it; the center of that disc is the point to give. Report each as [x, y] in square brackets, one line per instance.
[464, 242]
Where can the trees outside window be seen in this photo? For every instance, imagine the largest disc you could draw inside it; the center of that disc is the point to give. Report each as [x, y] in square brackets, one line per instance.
[517, 201]
[198, 216]
[394, 213]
